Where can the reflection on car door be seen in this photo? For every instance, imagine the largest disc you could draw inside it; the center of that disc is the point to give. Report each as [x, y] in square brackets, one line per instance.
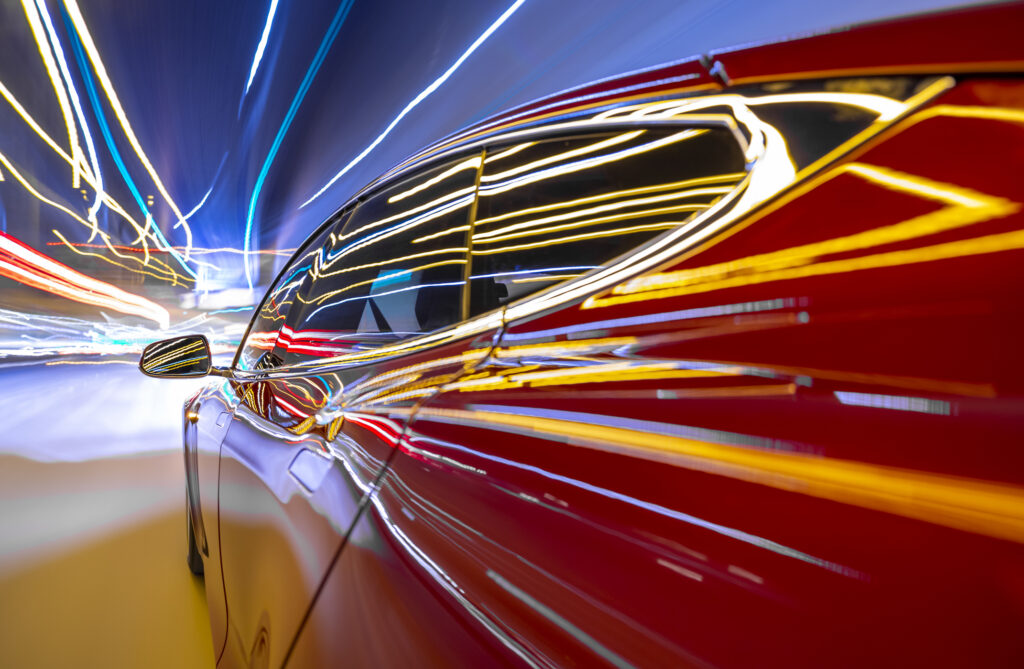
[352, 319]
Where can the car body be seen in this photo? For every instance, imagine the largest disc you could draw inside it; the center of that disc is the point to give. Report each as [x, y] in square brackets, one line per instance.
[717, 363]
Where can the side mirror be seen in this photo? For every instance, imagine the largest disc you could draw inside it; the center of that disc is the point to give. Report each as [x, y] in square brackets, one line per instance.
[181, 357]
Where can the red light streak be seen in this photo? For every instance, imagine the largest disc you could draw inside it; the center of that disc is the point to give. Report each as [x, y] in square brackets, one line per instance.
[32, 268]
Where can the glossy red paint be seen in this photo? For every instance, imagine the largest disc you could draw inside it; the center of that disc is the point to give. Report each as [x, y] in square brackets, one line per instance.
[977, 39]
[676, 530]
[793, 441]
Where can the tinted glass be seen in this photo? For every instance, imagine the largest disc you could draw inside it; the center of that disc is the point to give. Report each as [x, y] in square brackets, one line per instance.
[396, 270]
[549, 211]
[257, 351]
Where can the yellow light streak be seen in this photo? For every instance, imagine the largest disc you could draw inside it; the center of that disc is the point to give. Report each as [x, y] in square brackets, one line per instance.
[565, 348]
[174, 277]
[86, 173]
[334, 293]
[115, 104]
[442, 233]
[507, 232]
[1010, 241]
[564, 155]
[470, 163]
[615, 372]
[38, 32]
[494, 157]
[334, 427]
[397, 231]
[974, 506]
[24, 182]
[437, 202]
[964, 207]
[731, 179]
[303, 427]
[965, 111]
[663, 225]
[592, 162]
[593, 221]
[391, 261]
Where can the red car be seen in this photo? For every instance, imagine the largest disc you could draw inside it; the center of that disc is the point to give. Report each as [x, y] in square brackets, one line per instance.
[713, 364]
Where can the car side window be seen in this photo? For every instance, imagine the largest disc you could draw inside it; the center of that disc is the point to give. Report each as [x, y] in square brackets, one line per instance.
[268, 325]
[396, 270]
[552, 210]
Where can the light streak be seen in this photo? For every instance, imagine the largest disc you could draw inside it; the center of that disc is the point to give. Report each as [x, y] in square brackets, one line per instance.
[195, 209]
[391, 277]
[614, 232]
[505, 232]
[389, 292]
[115, 103]
[731, 179]
[196, 250]
[470, 163]
[174, 277]
[149, 228]
[39, 34]
[262, 45]
[436, 235]
[723, 530]
[436, 203]
[964, 207]
[397, 229]
[109, 201]
[391, 261]
[547, 277]
[300, 94]
[896, 402]
[28, 266]
[968, 505]
[57, 205]
[419, 98]
[497, 235]
[565, 155]
[76, 102]
[486, 191]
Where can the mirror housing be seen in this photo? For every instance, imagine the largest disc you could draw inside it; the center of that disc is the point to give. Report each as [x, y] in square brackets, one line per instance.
[185, 357]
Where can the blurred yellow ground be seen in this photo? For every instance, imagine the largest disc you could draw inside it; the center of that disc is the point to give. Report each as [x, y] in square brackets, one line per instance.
[92, 566]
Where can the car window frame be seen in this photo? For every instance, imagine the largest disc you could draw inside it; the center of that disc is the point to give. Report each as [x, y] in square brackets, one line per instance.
[481, 322]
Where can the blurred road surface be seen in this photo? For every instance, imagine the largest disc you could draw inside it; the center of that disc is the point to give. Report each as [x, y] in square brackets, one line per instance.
[92, 526]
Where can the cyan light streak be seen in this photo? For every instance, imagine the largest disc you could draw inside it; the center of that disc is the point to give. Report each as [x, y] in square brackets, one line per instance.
[262, 45]
[83, 65]
[314, 67]
[419, 98]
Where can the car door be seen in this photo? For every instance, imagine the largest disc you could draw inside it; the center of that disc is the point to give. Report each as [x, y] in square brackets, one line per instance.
[408, 583]
[373, 298]
[717, 461]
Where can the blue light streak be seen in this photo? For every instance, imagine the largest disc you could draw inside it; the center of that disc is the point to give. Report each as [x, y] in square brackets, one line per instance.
[83, 66]
[314, 67]
[419, 98]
